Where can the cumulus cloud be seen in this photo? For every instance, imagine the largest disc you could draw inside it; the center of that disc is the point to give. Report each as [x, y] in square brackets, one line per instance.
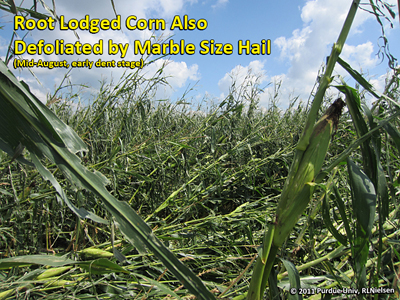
[302, 52]
[220, 3]
[380, 82]
[362, 54]
[306, 49]
[253, 73]
[245, 78]
[289, 47]
[179, 72]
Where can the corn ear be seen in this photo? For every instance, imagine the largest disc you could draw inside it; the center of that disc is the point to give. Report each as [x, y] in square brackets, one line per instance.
[61, 283]
[6, 294]
[94, 252]
[299, 185]
[52, 272]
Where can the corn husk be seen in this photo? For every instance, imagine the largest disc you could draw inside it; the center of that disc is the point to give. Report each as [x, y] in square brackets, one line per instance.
[299, 185]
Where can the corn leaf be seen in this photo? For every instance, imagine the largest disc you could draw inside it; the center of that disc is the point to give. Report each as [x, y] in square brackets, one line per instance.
[358, 77]
[294, 279]
[24, 119]
[162, 287]
[27, 260]
[328, 222]
[380, 180]
[363, 196]
[394, 134]
[342, 211]
[102, 266]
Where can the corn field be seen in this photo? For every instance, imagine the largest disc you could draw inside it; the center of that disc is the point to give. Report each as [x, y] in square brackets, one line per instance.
[129, 197]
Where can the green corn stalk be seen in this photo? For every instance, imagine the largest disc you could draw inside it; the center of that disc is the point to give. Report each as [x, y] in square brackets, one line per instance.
[296, 194]
[309, 156]
[300, 183]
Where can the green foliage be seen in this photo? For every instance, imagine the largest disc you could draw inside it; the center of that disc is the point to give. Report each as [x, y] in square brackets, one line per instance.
[154, 153]
[205, 178]
[207, 201]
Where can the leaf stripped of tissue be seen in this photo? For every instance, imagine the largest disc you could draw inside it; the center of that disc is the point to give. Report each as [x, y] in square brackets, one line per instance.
[299, 185]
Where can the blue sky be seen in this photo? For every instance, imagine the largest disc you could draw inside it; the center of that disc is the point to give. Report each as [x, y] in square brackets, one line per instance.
[301, 33]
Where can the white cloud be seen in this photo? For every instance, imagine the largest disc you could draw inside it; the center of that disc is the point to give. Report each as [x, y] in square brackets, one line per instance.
[380, 82]
[303, 51]
[180, 72]
[220, 3]
[290, 47]
[307, 48]
[177, 73]
[37, 89]
[3, 45]
[363, 55]
[255, 74]
[242, 76]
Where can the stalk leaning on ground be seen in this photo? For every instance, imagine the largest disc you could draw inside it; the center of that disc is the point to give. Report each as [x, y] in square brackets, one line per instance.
[309, 156]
